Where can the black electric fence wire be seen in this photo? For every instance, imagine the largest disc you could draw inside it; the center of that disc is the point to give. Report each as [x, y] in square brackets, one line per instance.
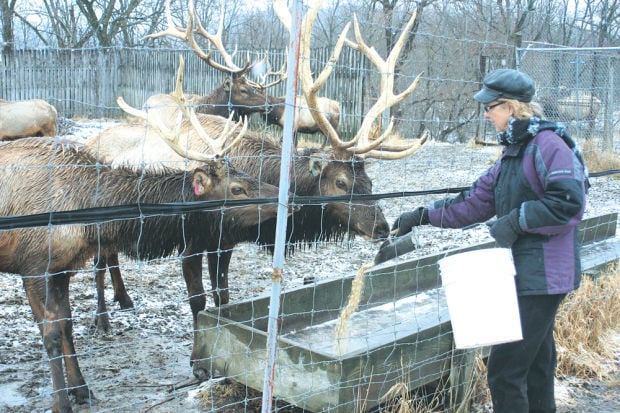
[142, 211]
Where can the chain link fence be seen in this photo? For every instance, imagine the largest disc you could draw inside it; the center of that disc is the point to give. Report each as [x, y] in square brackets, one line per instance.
[579, 87]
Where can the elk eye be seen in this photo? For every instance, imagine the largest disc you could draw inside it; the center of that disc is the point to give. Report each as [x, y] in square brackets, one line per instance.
[341, 184]
[237, 190]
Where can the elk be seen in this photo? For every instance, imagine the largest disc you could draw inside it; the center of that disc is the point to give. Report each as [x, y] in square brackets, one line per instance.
[238, 94]
[339, 170]
[569, 105]
[26, 118]
[124, 143]
[304, 122]
[40, 175]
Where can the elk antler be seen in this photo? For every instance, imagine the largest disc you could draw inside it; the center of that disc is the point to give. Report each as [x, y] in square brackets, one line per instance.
[171, 137]
[386, 99]
[361, 144]
[187, 35]
[280, 75]
[309, 87]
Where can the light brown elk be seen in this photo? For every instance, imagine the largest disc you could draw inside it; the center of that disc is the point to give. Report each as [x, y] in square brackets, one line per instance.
[26, 118]
[38, 175]
[571, 105]
[304, 122]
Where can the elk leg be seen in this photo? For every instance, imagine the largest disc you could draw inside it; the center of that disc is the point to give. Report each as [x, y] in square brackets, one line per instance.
[75, 380]
[120, 292]
[192, 273]
[218, 272]
[102, 319]
[49, 301]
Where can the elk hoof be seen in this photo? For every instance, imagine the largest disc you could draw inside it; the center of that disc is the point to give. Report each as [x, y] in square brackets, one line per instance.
[125, 302]
[82, 395]
[200, 373]
[102, 321]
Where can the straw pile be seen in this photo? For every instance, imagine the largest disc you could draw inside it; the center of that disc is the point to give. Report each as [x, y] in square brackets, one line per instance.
[585, 322]
[598, 160]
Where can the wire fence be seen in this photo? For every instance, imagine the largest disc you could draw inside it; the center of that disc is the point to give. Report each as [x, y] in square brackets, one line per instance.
[399, 345]
[578, 87]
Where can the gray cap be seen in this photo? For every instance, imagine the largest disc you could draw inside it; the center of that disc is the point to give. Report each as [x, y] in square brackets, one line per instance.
[508, 84]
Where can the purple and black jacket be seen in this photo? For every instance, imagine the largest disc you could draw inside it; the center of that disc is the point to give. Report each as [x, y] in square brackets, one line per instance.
[545, 180]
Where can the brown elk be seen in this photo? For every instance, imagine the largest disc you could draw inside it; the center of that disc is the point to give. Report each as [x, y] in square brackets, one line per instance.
[124, 143]
[304, 122]
[237, 95]
[340, 170]
[39, 175]
[26, 118]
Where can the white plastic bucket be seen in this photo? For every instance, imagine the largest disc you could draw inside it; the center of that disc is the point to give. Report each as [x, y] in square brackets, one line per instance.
[482, 297]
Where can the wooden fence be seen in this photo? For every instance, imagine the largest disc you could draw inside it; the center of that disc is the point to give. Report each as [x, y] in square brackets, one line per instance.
[86, 82]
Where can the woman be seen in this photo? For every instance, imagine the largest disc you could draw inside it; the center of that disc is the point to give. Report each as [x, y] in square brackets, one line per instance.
[537, 191]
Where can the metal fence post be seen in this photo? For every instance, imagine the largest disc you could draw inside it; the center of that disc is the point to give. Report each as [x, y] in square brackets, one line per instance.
[279, 248]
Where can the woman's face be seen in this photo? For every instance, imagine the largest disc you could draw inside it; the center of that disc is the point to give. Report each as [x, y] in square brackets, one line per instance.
[499, 113]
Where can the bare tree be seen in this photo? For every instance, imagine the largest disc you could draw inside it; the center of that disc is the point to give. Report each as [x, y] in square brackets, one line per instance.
[604, 18]
[8, 11]
[82, 23]
[7, 8]
[105, 18]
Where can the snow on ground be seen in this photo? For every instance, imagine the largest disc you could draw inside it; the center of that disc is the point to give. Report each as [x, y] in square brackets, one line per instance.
[142, 364]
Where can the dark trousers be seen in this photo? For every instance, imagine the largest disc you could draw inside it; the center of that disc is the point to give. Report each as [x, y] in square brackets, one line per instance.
[521, 373]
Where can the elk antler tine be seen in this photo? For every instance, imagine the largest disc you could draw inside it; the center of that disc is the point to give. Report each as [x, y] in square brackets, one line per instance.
[281, 10]
[244, 127]
[401, 152]
[130, 110]
[191, 114]
[178, 88]
[171, 30]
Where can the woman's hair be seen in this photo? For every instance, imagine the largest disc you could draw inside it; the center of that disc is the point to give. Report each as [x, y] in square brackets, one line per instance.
[524, 110]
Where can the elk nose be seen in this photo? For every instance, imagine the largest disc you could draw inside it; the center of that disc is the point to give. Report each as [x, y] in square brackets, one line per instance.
[381, 230]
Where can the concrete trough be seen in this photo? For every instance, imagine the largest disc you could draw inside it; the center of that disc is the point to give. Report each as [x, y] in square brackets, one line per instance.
[401, 333]
[310, 370]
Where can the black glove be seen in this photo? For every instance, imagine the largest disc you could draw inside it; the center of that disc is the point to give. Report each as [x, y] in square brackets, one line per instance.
[506, 229]
[408, 220]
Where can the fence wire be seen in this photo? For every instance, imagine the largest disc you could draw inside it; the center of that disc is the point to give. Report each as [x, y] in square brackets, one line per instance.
[398, 345]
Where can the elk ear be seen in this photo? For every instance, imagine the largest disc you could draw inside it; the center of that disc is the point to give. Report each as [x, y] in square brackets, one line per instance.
[227, 84]
[202, 182]
[316, 165]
